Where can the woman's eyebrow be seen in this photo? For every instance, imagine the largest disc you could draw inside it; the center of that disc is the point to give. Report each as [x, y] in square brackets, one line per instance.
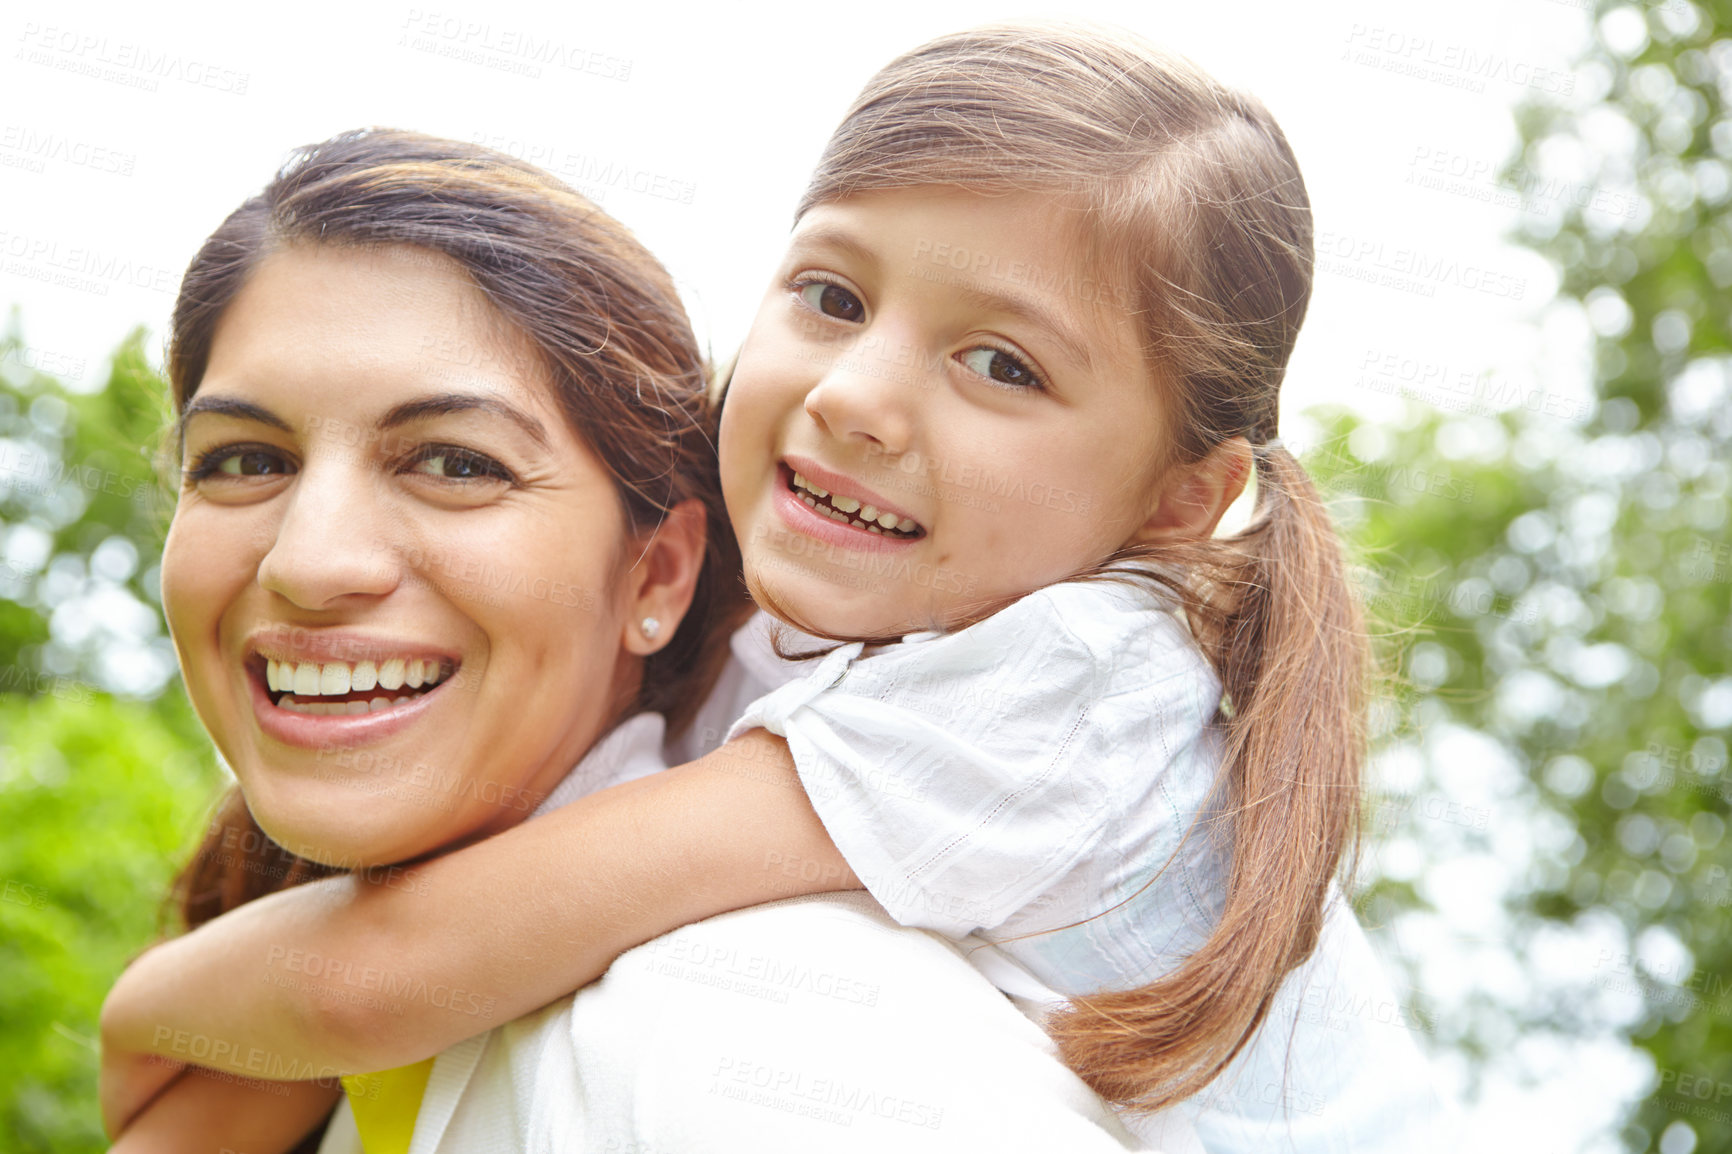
[230, 407]
[443, 404]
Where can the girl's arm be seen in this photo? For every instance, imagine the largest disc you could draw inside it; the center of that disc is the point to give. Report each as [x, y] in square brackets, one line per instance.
[345, 975]
[203, 1112]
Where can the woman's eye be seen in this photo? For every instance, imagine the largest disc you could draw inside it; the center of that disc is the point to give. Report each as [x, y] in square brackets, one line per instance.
[458, 465]
[1000, 367]
[229, 463]
[832, 300]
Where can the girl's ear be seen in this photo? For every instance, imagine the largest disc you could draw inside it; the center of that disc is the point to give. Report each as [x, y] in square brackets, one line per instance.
[661, 584]
[1191, 502]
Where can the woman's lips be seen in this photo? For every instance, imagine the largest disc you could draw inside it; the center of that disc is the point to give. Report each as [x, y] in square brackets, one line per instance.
[345, 731]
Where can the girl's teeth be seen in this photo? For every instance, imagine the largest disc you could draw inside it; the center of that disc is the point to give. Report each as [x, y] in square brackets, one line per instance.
[378, 703]
[391, 674]
[366, 676]
[412, 675]
[840, 508]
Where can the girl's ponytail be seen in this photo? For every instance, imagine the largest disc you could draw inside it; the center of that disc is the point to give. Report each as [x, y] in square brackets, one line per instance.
[1273, 608]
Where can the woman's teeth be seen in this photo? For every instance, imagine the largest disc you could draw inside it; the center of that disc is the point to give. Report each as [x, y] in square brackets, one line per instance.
[341, 678]
[849, 511]
[339, 708]
[335, 678]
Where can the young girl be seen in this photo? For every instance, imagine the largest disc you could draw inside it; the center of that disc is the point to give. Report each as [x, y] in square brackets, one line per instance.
[1024, 351]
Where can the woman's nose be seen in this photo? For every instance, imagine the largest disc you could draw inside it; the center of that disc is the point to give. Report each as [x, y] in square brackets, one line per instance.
[333, 540]
[867, 395]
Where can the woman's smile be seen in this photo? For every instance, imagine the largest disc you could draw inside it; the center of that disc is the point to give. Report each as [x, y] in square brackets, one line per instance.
[340, 689]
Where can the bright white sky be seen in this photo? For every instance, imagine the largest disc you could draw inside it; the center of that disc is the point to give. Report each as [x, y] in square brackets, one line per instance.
[126, 135]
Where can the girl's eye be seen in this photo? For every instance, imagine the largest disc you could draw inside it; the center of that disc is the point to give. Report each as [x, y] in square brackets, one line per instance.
[832, 300]
[1002, 368]
[237, 461]
[450, 463]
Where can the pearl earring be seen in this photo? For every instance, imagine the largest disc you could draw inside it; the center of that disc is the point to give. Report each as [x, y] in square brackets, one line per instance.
[650, 627]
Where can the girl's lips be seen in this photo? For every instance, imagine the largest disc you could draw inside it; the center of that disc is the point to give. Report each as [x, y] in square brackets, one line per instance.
[801, 518]
[318, 732]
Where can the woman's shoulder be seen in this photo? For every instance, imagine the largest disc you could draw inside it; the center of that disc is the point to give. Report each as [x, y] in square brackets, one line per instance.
[814, 1023]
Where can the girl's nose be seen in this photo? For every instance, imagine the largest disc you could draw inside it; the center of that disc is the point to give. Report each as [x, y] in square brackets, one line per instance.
[867, 398]
[332, 542]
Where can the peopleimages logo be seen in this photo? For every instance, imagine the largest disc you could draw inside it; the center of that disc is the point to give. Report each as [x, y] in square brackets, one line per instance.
[1366, 259]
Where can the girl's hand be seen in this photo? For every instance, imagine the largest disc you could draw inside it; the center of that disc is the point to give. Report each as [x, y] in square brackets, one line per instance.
[514, 921]
[130, 1081]
[203, 1112]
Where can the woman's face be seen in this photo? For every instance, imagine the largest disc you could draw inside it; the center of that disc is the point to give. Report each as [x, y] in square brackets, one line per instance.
[396, 578]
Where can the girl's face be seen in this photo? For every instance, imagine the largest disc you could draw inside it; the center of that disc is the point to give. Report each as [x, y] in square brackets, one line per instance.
[396, 577]
[941, 364]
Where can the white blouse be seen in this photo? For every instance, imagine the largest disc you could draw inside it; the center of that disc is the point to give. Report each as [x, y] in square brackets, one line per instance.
[1031, 778]
[1030, 787]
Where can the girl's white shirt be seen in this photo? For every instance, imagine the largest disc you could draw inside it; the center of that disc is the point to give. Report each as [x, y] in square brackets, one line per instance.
[1030, 787]
[810, 1024]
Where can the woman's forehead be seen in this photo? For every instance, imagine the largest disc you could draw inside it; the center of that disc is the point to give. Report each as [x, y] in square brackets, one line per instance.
[364, 328]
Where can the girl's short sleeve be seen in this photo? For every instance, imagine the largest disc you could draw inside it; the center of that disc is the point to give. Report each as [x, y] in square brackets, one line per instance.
[963, 775]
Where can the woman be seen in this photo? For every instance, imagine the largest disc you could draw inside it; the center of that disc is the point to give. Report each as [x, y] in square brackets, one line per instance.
[449, 527]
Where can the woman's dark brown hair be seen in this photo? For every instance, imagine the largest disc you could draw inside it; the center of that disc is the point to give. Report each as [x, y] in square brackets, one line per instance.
[607, 328]
[1196, 212]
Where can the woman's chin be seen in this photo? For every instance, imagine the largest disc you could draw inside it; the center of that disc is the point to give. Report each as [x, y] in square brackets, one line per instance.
[352, 835]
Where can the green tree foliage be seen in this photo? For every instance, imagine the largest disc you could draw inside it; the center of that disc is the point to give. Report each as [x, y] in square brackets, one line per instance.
[1657, 598]
[101, 797]
[82, 512]
[1557, 598]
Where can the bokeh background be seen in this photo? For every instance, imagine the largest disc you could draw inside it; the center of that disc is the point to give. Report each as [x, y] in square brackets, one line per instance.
[1514, 386]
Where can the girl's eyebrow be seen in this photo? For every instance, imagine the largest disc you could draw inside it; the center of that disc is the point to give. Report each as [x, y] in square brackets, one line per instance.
[1029, 311]
[1034, 314]
[838, 238]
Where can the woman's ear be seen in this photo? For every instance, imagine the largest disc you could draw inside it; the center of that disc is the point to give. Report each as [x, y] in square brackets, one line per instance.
[662, 582]
[1194, 497]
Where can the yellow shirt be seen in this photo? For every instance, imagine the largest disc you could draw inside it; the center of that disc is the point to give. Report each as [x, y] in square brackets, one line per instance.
[385, 1105]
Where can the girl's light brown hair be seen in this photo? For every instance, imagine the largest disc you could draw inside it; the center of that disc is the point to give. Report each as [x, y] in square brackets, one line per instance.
[608, 333]
[1196, 212]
